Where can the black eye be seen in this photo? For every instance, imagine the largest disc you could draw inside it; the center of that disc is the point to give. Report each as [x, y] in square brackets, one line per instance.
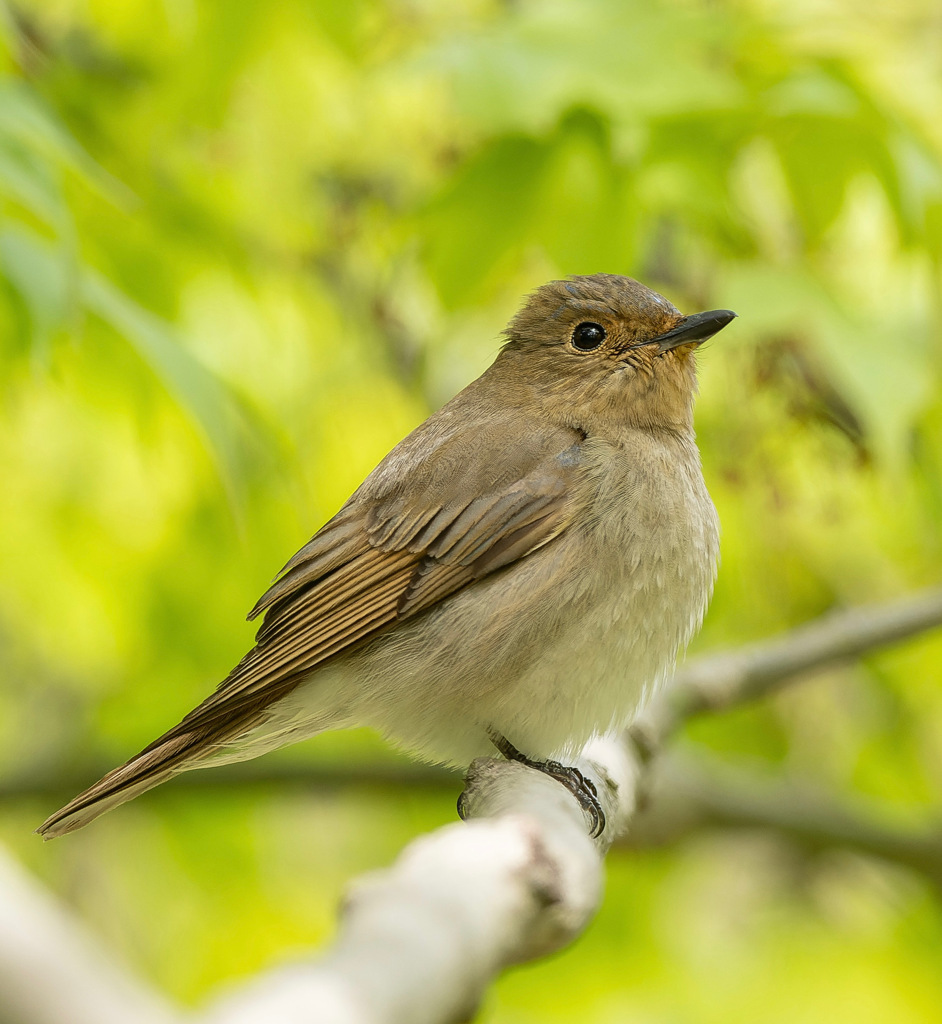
[588, 336]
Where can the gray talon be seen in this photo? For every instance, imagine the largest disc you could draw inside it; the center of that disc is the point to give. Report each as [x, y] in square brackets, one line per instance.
[582, 789]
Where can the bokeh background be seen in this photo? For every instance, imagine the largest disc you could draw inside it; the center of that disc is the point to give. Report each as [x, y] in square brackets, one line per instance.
[246, 246]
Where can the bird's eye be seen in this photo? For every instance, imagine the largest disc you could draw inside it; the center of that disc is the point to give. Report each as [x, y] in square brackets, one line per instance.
[587, 337]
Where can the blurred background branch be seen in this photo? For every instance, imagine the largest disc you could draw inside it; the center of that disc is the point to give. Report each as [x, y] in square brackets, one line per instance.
[689, 795]
[423, 941]
[723, 680]
[686, 793]
[245, 248]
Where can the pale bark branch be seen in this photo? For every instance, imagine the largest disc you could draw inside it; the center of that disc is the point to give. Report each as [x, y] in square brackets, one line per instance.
[719, 681]
[420, 942]
[52, 970]
[385, 970]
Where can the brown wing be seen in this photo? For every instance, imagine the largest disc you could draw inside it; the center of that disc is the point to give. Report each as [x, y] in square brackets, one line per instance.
[377, 563]
[423, 525]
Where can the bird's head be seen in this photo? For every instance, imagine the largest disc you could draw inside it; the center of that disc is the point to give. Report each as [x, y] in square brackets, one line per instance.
[606, 350]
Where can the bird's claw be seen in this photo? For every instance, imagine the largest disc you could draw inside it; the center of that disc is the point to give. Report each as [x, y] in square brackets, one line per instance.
[582, 788]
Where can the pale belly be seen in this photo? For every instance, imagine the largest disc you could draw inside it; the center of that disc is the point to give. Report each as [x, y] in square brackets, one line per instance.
[567, 643]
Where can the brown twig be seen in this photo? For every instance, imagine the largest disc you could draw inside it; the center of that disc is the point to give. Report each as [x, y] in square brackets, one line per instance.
[688, 794]
[719, 681]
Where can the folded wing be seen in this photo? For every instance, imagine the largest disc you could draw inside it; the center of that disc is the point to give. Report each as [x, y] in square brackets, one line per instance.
[412, 535]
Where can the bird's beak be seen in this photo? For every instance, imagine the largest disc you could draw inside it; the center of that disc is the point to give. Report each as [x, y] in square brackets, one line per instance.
[693, 329]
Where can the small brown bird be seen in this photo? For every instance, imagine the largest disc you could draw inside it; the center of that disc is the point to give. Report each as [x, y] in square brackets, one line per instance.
[520, 571]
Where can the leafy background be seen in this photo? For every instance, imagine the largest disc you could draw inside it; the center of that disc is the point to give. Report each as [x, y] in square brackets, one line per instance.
[245, 247]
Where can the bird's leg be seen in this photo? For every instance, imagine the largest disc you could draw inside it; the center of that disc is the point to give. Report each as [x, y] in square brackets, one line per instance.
[582, 789]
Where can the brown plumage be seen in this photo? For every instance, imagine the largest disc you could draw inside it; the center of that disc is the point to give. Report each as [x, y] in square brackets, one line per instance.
[344, 585]
[485, 483]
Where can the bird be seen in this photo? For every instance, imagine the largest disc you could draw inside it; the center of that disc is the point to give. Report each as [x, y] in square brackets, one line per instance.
[520, 573]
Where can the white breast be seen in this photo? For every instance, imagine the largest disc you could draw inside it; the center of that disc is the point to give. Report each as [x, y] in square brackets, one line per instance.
[645, 579]
[567, 643]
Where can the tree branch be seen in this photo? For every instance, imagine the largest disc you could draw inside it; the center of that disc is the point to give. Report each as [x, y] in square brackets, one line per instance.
[716, 682]
[420, 942]
[687, 794]
[52, 970]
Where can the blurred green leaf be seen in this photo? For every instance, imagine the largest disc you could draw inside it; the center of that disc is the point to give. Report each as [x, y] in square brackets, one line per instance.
[202, 394]
[484, 212]
[338, 207]
[46, 279]
[26, 122]
[631, 60]
[32, 183]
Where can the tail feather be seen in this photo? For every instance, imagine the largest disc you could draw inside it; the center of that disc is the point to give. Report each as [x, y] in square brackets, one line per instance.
[249, 727]
[150, 768]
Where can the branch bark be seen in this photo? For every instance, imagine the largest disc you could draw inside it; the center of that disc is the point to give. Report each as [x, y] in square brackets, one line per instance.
[421, 941]
[719, 681]
[53, 971]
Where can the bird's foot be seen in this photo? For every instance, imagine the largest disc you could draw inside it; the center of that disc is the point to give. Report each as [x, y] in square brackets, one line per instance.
[582, 789]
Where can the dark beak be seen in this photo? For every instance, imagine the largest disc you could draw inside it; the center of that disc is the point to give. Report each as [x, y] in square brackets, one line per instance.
[694, 328]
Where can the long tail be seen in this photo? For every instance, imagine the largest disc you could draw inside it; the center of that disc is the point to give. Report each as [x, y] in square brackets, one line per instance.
[191, 744]
[201, 740]
[237, 727]
[154, 765]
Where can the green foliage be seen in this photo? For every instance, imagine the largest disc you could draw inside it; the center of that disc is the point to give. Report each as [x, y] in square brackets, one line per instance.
[244, 247]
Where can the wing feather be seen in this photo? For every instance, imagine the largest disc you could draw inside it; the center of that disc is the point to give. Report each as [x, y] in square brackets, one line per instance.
[347, 584]
[364, 571]
[421, 527]
[351, 584]
[431, 582]
[338, 542]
